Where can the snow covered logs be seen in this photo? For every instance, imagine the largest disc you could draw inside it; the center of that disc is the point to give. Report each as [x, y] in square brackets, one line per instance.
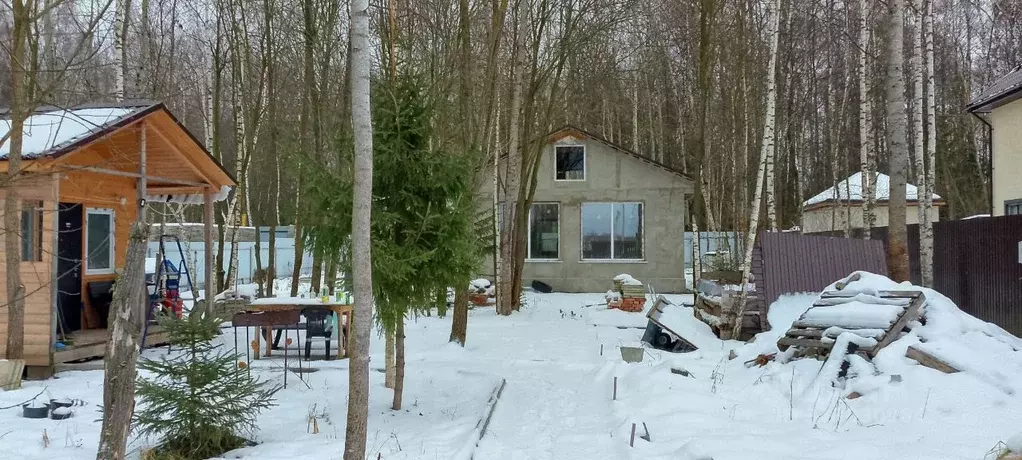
[628, 295]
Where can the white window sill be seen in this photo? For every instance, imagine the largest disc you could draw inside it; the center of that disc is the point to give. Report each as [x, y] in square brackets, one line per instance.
[569, 180]
[544, 261]
[612, 261]
[99, 272]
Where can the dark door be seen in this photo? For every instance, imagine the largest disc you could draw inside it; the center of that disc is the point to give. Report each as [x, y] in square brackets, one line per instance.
[69, 266]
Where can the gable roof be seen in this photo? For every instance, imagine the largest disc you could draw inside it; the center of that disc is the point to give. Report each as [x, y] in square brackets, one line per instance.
[51, 132]
[1006, 89]
[850, 189]
[573, 131]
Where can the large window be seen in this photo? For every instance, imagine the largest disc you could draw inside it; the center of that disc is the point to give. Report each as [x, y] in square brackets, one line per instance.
[99, 238]
[571, 162]
[544, 231]
[612, 231]
[32, 231]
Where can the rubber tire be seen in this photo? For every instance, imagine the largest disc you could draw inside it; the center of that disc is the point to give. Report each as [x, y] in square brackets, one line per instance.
[662, 340]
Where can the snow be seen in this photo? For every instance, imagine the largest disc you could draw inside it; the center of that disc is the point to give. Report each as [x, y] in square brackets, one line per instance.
[850, 189]
[1014, 443]
[50, 131]
[853, 314]
[559, 358]
[196, 198]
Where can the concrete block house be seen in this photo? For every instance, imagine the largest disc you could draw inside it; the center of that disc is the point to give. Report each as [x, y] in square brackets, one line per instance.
[600, 210]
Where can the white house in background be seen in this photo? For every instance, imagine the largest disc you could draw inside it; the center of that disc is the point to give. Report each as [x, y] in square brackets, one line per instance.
[827, 211]
[1000, 108]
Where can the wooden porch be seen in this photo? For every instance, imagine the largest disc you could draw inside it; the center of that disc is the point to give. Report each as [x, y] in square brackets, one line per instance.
[91, 344]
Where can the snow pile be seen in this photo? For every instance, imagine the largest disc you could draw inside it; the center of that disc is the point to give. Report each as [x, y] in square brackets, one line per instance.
[627, 280]
[482, 286]
[854, 314]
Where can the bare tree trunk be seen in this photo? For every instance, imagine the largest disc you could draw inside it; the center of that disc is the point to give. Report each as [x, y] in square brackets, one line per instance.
[459, 323]
[765, 159]
[12, 205]
[361, 120]
[399, 358]
[865, 124]
[505, 305]
[926, 202]
[897, 246]
[388, 359]
[122, 348]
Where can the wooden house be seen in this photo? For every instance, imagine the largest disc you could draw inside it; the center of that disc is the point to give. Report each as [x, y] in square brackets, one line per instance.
[86, 174]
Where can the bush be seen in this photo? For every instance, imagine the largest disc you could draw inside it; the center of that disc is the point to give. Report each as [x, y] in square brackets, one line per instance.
[197, 399]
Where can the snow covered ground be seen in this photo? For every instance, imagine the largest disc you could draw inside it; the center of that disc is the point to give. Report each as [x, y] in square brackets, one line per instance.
[558, 399]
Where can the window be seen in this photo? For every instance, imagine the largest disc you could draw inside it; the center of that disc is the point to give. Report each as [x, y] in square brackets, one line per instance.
[1013, 207]
[99, 241]
[32, 231]
[612, 231]
[544, 231]
[571, 162]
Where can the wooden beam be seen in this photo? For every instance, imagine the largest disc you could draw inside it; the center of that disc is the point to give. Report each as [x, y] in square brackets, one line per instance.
[140, 204]
[187, 160]
[115, 172]
[929, 360]
[176, 190]
[207, 196]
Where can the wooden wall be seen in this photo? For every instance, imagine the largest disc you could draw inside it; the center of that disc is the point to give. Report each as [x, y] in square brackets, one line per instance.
[97, 190]
[36, 276]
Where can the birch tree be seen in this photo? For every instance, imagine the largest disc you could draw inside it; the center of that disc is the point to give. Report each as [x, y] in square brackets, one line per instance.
[897, 125]
[926, 201]
[867, 161]
[362, 128]
[918, 136]
[766, 158]
[122, 14]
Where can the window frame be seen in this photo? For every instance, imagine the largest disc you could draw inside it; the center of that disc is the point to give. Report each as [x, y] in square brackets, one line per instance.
[528, 231]
[1008, 204]
[585, 162]
[36, 230]
[611, 259]
[112, 238]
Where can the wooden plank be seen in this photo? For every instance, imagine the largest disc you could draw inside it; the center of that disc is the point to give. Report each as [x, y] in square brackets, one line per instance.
[804, 333]
[892, 332]
[786, 342]
[929, 360]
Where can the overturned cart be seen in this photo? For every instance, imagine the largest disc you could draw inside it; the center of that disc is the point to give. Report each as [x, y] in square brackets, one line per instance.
[665, 322]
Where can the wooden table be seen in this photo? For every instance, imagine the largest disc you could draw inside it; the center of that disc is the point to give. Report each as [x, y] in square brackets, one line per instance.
[343, 310]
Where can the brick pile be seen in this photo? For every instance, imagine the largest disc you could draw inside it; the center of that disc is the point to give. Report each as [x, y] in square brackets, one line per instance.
[628, 295]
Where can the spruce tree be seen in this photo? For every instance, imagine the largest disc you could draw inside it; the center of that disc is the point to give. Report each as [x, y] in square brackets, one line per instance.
[196, 398]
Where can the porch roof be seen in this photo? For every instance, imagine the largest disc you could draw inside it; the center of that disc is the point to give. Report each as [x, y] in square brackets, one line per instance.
[106, 139]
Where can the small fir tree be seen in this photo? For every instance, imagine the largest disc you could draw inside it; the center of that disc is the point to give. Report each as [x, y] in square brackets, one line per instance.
[197, 399]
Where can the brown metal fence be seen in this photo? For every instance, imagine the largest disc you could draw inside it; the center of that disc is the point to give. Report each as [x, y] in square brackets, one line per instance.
[786, 263]
[975, 264]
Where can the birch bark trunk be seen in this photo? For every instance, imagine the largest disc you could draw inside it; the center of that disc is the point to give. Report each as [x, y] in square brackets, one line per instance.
[121, 20]
[897, 124]
[765, 159]
[918, 136]
[925, 225]
[865, 124]
[362, 127]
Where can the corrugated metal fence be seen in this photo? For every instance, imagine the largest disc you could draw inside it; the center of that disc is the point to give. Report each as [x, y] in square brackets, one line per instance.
[976, 263]
[786, 263]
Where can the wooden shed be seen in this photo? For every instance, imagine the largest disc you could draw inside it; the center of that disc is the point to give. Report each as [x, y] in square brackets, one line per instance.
[87, 171]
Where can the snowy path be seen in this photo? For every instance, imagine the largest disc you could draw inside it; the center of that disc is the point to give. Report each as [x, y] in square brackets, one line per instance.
[557, 404]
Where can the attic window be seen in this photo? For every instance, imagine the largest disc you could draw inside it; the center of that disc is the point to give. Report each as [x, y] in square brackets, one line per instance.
[571, 162]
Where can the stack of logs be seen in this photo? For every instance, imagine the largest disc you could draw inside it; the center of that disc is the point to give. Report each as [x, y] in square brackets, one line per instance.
[632, 298]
